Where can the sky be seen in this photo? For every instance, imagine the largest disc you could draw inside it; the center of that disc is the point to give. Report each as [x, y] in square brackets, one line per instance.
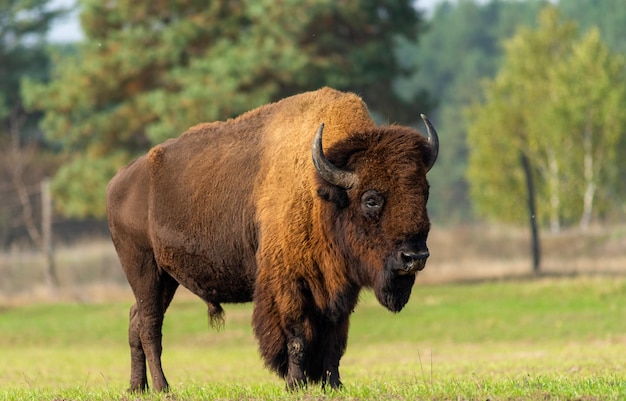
[68, 29]
[65, 29]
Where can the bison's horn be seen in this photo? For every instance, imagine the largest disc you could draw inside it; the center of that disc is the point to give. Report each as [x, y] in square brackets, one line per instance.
[433, 141]
[330, 173]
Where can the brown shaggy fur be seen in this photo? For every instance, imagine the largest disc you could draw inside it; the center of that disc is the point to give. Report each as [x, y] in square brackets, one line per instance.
[235, 212]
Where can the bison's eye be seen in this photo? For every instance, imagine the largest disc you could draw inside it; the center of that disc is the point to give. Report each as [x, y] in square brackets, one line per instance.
[372, 203]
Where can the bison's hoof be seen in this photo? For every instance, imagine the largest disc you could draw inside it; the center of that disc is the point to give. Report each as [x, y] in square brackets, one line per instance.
[294, 384]
[137, 389]
[332, 381]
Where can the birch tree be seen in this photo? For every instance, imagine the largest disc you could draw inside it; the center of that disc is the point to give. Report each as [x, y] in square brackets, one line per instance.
[590, 107]
[559, 99]
[514, 111]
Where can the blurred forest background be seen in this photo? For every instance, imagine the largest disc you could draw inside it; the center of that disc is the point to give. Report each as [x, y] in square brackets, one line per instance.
[503, 81]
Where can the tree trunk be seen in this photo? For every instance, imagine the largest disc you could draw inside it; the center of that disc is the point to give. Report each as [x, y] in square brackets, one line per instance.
[16, 120]
[41, 236]
[590, 183]
[535, 243]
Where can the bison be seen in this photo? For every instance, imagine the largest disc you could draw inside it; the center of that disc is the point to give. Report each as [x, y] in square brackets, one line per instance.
[259, 208]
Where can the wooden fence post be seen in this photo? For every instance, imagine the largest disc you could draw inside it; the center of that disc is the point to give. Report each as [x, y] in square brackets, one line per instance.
[46, 234]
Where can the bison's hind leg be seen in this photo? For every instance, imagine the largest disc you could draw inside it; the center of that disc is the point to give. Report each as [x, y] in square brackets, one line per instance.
[138, 376]
[154, 290]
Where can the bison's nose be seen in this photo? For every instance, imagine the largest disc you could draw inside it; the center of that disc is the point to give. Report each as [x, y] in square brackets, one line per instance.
[414, 260]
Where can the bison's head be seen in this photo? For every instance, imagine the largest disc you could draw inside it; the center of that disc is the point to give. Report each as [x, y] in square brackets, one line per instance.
[375, 188]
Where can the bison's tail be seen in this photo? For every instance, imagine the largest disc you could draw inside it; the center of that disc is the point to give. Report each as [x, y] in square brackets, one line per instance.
[216, 315]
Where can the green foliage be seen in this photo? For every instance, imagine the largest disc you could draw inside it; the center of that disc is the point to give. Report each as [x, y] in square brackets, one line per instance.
[558, 99]
[23, 24]
[607, 16]
[147, 72]
[491, 155]
[502, 125]
[589, 88]
[78, 183]
[460, 47]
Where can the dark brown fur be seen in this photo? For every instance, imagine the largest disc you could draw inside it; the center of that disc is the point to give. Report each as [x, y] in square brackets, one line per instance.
[235, 211]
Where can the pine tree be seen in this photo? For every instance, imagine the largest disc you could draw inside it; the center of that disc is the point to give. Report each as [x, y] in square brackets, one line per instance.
[149, 70]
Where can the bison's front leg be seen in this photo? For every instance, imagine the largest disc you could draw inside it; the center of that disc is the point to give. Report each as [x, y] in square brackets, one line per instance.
[331, 375]
[295, 371]
[334, 349]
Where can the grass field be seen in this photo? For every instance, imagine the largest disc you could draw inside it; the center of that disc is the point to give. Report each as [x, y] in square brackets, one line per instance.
[547, 339]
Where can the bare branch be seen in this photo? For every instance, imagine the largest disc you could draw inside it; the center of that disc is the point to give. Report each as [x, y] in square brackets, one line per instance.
[17, 119]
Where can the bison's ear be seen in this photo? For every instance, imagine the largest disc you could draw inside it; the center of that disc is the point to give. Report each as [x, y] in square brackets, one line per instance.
[334, 194]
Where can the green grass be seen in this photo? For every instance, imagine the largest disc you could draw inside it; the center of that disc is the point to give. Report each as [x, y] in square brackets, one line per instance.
[550, 339]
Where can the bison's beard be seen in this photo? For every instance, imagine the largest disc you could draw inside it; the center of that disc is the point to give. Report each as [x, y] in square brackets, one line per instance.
[393, 291]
